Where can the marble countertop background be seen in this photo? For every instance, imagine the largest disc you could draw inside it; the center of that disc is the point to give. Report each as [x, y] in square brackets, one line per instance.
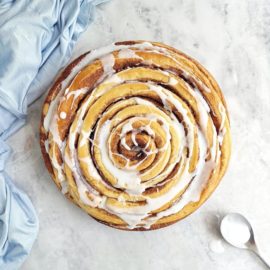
[232, 39]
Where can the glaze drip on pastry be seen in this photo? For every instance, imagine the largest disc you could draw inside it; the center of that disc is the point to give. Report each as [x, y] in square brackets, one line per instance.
[137, 134]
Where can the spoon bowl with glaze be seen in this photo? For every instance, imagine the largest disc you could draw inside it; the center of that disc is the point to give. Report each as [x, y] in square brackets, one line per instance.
[238, 232]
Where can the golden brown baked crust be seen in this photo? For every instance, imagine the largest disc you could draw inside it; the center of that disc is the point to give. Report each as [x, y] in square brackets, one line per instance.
[137, 136]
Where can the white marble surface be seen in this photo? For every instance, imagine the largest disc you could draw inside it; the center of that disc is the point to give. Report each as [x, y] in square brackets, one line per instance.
[232, 39]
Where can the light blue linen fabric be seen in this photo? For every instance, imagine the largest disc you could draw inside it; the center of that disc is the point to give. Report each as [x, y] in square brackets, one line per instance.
[36, 40]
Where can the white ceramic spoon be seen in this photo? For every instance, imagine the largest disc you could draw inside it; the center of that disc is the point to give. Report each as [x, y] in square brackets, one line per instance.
[237, 231]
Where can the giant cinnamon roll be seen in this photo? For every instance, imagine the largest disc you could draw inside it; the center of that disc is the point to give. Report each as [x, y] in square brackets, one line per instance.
[137, 134]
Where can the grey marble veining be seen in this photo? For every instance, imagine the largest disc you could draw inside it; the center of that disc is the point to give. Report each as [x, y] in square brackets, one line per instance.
[232, 39]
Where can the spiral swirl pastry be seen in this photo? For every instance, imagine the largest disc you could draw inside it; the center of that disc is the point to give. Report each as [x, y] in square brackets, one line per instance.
[137, 134]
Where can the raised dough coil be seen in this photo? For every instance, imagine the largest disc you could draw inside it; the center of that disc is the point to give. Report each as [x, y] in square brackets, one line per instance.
[136, 133]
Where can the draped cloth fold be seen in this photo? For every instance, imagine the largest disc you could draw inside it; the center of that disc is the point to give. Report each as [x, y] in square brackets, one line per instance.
[36, 40]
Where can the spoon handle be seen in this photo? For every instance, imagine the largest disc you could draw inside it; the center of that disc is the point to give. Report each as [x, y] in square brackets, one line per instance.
[258, 253]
